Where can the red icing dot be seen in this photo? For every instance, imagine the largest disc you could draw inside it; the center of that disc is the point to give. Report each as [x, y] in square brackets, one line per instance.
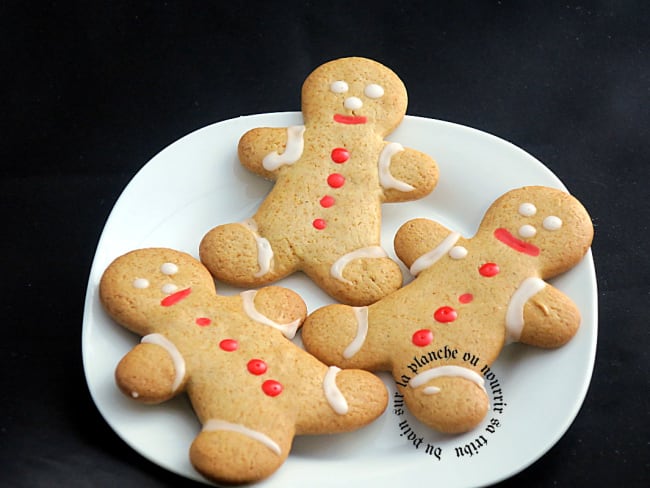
[203, 321]
[489, 270]
[466, 298]
[336, 180]
[229, 345]
[319, 224]
[340, 155]
[257, 366]
[422, 337]
[327, 201]
[445, 314]
[272, 388]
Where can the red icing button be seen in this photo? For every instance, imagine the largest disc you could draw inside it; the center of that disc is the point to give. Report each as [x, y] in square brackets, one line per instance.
[203, 321]
[229, 345]
[340, 155]
[272, 388]
[466, 298]
[489, 270]
[336, 180]
[319, 224]
[445, 314]
[422, 337]
[257, 366]
[327, 201]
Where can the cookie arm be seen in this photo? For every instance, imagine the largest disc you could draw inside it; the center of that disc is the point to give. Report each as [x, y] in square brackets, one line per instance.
[406, 174]
[265, 150]
[424, 241]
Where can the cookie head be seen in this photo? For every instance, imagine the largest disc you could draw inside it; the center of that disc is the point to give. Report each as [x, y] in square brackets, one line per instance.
[354, 92]
[143, 286]
[545, 224]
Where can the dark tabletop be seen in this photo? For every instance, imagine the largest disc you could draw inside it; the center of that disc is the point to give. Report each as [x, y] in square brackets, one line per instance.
[93, 90]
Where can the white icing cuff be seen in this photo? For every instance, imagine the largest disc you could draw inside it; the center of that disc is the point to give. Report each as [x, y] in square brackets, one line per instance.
[292, 151]
[217, 424]
[365, 252]
[386, 179]
[515, 313]
[248, 297]
[428, 259]
[332, 393]
[174, 353]
[449, 370]
[361, 315]
[264, 250]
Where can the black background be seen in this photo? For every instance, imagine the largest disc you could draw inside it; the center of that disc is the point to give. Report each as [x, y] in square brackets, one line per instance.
[92, 90]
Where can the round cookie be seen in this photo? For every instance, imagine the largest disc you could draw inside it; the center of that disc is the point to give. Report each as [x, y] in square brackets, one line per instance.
[323, 215]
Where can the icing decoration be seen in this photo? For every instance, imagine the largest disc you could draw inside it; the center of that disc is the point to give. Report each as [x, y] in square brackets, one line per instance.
[489, 270]
[428, 259]
[169, 269]
[264, 250]
[552, 223]
[332, 393]
[466, 298]
[373, 91]
[203, 321]
[339, 87]
[292, 151]
[340, 155]
[361, 315]
[229, 345]
[448, 370]
[515, 312]
[256, 367]
[336, 180]
[288, 330]
[422, 337]
[174, 354]
[353, 103]
[503, 235]
[349, 119]
[174, 298]
[336, 271]
[458, 252]
[213, 425]
[430, 390]
[272, 388]
[168, 288]
[327, 201]
[141, 283]
[386, 179]
[527, 209]
[527, 231]
[445, 314]
[319, 224]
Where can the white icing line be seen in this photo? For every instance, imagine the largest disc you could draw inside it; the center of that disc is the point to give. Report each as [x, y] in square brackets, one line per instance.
[429, 258]
[292, 151]
[289, 330]
[365, 252]
[386, 179]
[264, 250]
[174, 353]
[515, 313]
[449, 370]
[332, 393]
[217, 424]
[361, 315]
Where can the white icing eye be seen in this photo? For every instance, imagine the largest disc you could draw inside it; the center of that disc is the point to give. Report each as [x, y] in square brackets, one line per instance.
[169, 288]
[527, 209]
[527, 231]
[457, 252]
[169, 269]
[140, 283]
[353, 103]
[339, 87]
[552, 222]
[374, 91]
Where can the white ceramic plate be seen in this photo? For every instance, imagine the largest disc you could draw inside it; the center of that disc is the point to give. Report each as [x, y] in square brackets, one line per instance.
[197, 183]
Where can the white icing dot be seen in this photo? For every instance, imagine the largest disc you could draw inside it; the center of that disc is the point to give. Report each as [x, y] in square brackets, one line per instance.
[140, 283]
[169, 269]
[527, 209]
[353, 103]
[552, 222]
[457, 252]
[339, 87]
[169, 288]
[374, 91]
[135, 394]
[527, 231]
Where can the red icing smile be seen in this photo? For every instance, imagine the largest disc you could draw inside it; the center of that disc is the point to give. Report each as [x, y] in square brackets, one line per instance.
[174, 298]
[518, 245]
[350, 119]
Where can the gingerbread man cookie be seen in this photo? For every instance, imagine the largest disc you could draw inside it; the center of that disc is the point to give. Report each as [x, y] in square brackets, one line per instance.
[323, 215]
[469, 296]
[251, 387]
